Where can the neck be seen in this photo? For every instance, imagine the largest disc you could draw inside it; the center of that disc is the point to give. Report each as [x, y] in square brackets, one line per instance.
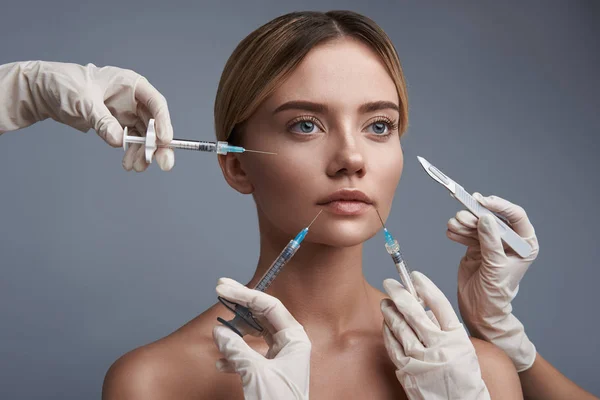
[322, 286]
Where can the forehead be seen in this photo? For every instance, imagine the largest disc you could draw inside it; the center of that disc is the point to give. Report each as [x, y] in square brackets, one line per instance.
[341, 73]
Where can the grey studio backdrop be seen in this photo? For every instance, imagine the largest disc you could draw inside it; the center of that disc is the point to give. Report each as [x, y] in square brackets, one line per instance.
[96, 261]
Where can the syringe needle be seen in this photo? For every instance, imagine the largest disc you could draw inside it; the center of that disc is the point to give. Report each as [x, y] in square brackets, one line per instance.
[258, 151]
[380, 218]
[314, 219]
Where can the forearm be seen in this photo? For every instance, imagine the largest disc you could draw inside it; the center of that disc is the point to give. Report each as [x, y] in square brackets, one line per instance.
[543, 381]
[17, 103]
[32, 91]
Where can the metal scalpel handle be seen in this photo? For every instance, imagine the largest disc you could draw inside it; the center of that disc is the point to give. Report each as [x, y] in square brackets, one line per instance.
[510, 237]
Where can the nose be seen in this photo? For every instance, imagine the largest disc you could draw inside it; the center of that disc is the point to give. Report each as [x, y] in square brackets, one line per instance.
[347, 159]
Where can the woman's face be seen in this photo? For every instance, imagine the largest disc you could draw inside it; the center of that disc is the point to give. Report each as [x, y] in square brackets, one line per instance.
[334, 126]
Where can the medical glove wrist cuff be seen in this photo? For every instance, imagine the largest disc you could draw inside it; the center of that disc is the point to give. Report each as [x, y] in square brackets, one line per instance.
[509, 335]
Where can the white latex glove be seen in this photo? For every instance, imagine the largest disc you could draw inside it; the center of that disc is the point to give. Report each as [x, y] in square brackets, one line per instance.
[489, 276]
[433, 362]
[84, 97]
[285, 370]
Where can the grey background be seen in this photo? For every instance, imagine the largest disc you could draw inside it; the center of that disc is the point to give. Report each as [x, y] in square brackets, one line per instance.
[96, 261]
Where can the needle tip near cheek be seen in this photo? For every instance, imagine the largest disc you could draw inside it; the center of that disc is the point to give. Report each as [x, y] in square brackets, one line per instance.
[261, 152]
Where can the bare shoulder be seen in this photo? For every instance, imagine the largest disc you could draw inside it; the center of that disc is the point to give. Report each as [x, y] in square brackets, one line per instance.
[497, 371]
[181, 366]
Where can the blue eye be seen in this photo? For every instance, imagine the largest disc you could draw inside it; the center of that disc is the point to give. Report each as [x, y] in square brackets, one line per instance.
[305, 127]
[382, 127]
[379, 128]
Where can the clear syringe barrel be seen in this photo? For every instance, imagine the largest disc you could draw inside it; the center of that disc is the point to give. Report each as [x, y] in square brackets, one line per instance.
[286, 254]
[404, 273]
[198, 145]
[393, 249]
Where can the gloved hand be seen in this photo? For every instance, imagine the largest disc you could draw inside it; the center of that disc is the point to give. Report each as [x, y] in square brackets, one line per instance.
[489, 276]
[83, 97]
[285, 370]
[433, 362]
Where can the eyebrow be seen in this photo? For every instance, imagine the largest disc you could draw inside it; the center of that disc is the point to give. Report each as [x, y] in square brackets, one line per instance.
[302, 105]
[378, 105]
[322, 108]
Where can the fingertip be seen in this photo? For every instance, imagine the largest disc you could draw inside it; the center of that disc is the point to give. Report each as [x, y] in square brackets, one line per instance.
[416, 275]
[229, 281]
[216, 333]
[486, 221]
[419, 280]
[398, 293]
[221, 280]
[165, 159]
[223, 290]
[221, 337]
[220, 331]
[466, 218]
[424, 285]
[114, 135]
[165, 129]
[127, 162]
[139, 166]
[139, 163]
[390, 285]
[451, 222]
[389, 282]
[126, 165]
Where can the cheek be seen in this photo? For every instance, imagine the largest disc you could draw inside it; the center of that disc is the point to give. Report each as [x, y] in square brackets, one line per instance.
[285, 186]
[387, 164]
[394, 171]
[386, 170]
[288, 171]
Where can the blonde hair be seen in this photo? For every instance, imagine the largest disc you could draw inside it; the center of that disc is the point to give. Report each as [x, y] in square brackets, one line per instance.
[268, 55]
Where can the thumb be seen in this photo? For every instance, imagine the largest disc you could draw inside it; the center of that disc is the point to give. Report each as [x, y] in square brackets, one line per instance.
[513, 213]
[106, 125]
[492, 251]
[233, 348]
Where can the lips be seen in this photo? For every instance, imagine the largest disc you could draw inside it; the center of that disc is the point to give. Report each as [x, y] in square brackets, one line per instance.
[346, 202]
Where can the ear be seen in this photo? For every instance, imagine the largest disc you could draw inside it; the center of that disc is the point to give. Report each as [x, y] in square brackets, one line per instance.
[234, 173]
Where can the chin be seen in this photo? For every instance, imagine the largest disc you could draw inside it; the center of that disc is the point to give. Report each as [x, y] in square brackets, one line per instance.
[346, 232]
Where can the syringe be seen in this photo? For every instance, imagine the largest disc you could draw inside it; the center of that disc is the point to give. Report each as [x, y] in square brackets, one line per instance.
[149, 141]
[243, 319]
[393, 249]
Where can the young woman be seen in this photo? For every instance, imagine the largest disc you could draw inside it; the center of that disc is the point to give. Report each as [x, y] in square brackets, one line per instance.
[182, 365]
[325, 91]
